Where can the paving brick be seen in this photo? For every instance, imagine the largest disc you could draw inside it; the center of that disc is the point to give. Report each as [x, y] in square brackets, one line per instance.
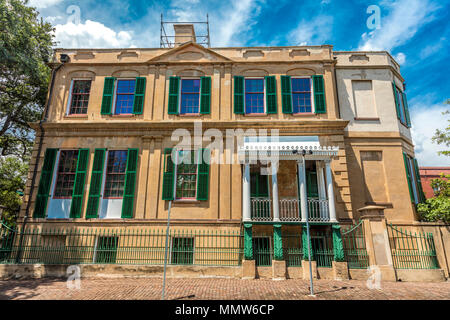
[226, 289]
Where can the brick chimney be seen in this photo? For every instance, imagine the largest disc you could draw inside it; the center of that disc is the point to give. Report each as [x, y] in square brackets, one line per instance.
[184, 33]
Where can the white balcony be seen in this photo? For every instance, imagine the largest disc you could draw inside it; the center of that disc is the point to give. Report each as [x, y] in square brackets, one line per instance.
[289, 210]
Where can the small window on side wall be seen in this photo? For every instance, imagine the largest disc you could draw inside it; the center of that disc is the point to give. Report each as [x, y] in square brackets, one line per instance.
[79, 96]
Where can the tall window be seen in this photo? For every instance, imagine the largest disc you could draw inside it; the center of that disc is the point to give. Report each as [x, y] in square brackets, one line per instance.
[401, 104]
[190, 96]
[65, 178]
[301, 95]
[80, 96]
[125, 96]
[254, 95]
[186, 181]
[115, 174]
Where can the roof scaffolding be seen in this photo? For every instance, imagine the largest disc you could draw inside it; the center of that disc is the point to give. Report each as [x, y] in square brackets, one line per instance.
[169, 40]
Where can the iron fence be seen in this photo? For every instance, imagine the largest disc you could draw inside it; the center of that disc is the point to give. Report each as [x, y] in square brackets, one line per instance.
[412, 250]
[120, 246]
[354, 242]
[322, 248]
[292, 249]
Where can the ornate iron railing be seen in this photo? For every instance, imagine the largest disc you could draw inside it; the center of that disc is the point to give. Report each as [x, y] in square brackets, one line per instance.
[261, 209]
[354, 244]
[289, 210]
[120, 246]
[318, 210]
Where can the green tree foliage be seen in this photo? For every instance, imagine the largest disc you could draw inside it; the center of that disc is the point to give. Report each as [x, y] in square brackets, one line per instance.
[438, 207]
[443, 136]
[25, 50]
[13, 173]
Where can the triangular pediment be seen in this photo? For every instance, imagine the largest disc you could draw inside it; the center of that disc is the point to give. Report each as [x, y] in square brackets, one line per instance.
[190, 52]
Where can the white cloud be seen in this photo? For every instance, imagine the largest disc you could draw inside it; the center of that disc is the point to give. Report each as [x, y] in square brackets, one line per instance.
[432, 48]
[91, 34]
[313, 32]
[237, 19]
[402, 23]
[43, 3]
[400, 57]
[227, 20]
[425, 120]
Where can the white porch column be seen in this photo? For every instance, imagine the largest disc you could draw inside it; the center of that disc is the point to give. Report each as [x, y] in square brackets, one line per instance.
[275, 203]
[302, 188]
[246, 216]
[331, 204]
[321, 180]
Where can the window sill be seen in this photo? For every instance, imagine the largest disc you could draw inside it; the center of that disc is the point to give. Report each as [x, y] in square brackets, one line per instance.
[366, 119]
[187, 201]
[76, 116]
[189, 114]
[256, 114]
[303, 114]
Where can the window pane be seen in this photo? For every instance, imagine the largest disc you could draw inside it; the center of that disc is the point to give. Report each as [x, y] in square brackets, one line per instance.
[186, 183]
[301, 95]
[115, 173]
[125, 96]
[65, 178]
[190, 97]
[254, 95]
[80, 96]
[254, 85]
[125, 86]
[190, 85]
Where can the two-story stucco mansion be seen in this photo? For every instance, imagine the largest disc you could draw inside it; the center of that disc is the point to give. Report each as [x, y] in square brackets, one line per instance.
[106, 163]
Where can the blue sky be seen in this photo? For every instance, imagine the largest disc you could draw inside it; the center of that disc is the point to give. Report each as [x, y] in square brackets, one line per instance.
[415, 32]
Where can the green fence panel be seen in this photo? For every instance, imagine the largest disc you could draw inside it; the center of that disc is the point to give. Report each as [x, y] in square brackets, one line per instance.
[412, 250]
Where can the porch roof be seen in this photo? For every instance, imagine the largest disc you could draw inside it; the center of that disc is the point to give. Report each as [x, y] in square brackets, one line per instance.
[285, 148]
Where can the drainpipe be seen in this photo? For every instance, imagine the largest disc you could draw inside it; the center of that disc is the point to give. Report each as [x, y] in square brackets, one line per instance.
[41, 142]
[336, 89]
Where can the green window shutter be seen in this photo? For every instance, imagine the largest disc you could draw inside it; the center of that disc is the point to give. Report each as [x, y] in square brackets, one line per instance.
[96, 184]
[271, 94]
[259, 185]
[130, 183]
[286, 95]
[169, 175]
[203, 175]
[319, 94]
[139, 94]
[405, 104]
[238, 94]
[312, 189]
[205, 97]
[419, 181]
[408, 176]
[108, 95]
[397, 103]
[78, 187]
[174, 87]
[45, 183]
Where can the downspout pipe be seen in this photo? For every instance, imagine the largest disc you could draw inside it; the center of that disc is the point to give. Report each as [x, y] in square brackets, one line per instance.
[38, 156]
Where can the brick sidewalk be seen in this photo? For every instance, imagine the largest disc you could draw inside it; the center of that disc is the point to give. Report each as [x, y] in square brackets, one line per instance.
[227, 289]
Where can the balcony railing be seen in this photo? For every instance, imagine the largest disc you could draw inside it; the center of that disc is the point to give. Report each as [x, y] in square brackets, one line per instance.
[289, 210]
[261, 210]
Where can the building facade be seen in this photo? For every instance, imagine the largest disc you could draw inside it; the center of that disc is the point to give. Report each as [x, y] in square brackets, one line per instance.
[246, 140]
[429, 173]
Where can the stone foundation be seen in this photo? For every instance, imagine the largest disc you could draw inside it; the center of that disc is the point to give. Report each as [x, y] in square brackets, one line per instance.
[279, 270]
[248, 270]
